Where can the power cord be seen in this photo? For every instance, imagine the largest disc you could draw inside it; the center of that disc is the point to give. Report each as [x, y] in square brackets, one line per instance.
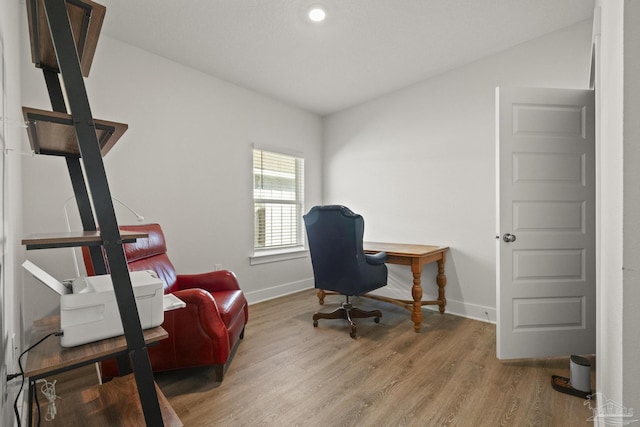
[21, 374]
[49, 391]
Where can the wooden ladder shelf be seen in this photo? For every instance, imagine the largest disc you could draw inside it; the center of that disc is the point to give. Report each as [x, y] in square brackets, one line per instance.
[64, 35]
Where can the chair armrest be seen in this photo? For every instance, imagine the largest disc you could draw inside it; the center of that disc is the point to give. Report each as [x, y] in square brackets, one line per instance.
[222, 280]
[201, 309]
[376, 259]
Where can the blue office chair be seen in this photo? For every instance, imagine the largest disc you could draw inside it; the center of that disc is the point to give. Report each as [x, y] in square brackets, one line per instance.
[339, 262]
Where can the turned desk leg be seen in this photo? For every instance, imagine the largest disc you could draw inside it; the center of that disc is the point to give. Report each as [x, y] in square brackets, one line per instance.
[441, 280]
[321, 293]
[416, 293]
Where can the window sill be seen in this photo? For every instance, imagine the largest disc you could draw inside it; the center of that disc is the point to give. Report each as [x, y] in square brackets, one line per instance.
[277, 255]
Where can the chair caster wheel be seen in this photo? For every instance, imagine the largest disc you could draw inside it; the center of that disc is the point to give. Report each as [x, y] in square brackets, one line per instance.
[315, 323]
[377, 320]
[353, 335]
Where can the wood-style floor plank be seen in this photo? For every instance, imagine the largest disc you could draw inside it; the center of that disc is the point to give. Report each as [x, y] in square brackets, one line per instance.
[288, 373]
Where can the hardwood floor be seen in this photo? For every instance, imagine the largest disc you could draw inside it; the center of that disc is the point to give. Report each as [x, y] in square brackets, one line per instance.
[288, 373]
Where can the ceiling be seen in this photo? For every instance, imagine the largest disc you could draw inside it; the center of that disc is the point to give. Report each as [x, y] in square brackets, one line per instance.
[364, 48]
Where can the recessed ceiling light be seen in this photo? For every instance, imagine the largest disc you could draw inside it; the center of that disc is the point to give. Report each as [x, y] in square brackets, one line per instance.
[317, 14]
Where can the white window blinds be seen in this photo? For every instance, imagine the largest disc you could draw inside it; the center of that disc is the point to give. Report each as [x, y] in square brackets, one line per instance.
[278, 195]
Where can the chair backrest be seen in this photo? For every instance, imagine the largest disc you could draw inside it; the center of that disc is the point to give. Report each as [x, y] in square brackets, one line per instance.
[146, 254]
[335, 236]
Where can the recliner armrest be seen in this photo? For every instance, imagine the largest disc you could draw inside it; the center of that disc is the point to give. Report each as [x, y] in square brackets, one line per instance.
[376, 259]
[221, 280]
[201, 312]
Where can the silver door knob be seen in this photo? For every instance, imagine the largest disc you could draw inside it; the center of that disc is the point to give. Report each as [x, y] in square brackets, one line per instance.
[509, 238]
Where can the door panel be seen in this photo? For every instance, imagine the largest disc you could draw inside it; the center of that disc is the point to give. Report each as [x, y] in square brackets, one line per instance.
[545, 182]
[560, 217]
[548, 313]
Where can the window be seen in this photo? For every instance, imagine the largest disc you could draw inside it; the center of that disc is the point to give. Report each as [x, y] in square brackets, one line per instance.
[278, 190]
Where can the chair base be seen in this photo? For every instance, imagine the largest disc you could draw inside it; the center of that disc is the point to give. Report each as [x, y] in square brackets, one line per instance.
[348, 312]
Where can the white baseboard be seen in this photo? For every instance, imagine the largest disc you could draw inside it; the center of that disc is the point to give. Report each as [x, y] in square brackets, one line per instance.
[261, 295]
[457, 308]
[470, 311]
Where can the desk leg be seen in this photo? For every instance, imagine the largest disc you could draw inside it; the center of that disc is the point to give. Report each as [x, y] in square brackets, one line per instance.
[441, 280]
[416, 293]
[321, 293]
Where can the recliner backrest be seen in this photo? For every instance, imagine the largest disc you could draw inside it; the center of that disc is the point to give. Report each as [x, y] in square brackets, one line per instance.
[150, 254]
[144, 254]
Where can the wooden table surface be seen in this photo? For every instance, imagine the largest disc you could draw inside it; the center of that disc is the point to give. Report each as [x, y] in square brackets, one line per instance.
[403, 249]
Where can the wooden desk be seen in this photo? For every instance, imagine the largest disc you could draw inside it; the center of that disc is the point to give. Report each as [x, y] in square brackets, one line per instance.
[415, 256]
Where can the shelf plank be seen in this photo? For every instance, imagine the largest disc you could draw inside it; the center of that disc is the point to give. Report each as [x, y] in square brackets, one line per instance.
[74, 239]
[86, 18]
[50, 357]
[111, 404]
[53, 133]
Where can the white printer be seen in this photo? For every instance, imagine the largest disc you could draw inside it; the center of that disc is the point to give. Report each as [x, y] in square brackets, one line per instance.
[88, 308]
[93, 314]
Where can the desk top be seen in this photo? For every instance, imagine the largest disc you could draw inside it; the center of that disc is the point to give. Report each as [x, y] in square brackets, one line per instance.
[49, 356]
[403, 249]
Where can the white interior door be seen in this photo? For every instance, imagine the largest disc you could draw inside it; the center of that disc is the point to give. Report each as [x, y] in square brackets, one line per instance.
[545, 222]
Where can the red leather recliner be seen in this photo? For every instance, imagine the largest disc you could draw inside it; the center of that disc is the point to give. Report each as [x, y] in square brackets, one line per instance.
[208, 329]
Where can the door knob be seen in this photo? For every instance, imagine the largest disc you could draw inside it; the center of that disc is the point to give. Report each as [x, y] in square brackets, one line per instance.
[509, 237]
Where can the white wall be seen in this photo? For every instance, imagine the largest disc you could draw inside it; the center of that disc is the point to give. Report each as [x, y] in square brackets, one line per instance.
[419, 163]
[611, 157]
[631, 258]
[618, 374]
[10, 234]
[185, 162]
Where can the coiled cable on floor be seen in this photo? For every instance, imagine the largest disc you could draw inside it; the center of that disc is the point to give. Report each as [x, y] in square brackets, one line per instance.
[49, 391]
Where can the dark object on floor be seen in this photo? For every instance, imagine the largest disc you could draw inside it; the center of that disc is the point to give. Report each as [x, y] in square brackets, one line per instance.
[563, 385]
